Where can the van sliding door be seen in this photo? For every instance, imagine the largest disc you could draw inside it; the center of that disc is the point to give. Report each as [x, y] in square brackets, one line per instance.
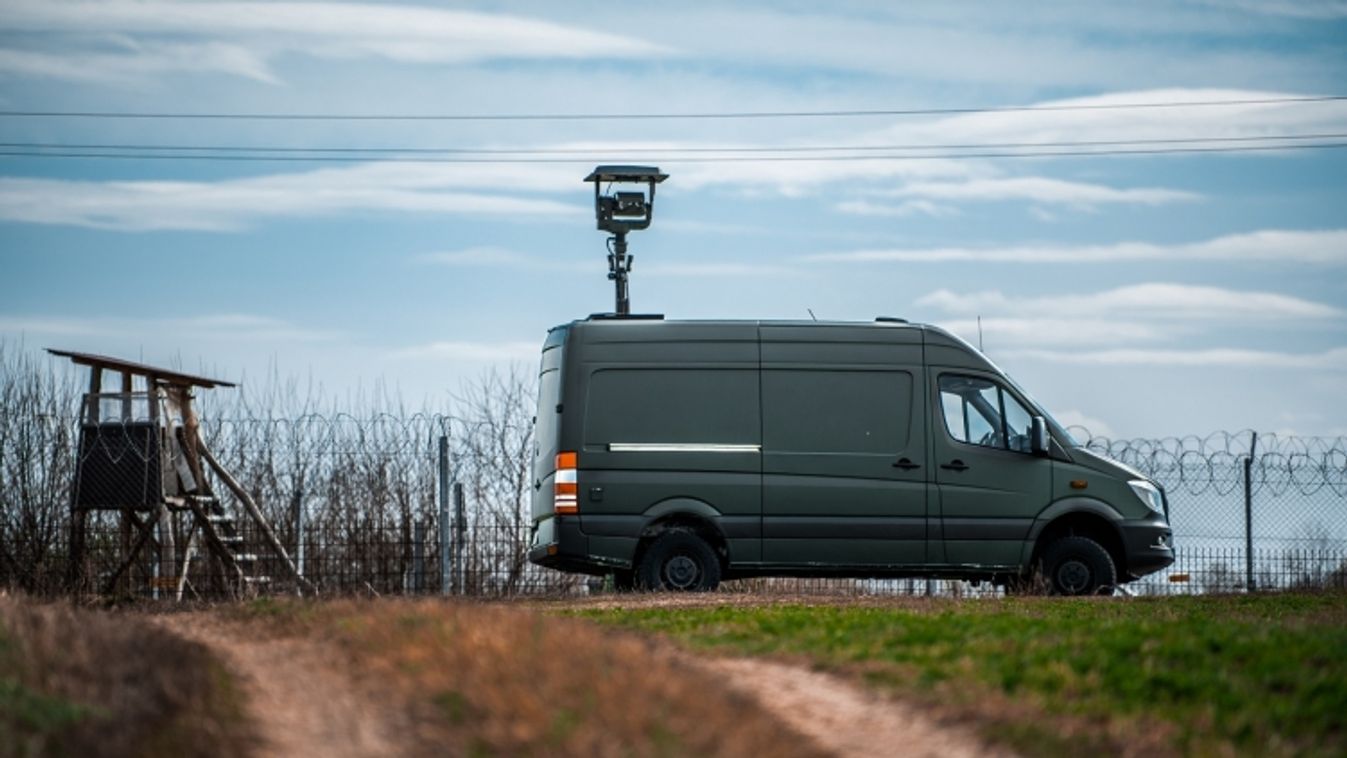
[844, 451]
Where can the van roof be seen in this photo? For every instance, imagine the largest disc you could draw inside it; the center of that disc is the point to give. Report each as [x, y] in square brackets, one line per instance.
[933, 336]
[648, 317]
[609, 321]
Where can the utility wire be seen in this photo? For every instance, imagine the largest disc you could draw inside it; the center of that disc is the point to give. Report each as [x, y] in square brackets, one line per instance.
[239, 157]
[662, 116]
[665, 150]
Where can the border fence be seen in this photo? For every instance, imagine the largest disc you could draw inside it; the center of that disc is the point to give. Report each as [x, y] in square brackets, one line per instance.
[429, 504]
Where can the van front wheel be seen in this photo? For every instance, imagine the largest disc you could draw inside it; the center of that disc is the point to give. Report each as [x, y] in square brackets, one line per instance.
[679, 561]
[1078, 566]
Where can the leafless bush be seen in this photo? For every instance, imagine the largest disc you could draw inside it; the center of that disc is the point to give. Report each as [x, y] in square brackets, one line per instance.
[36, 449]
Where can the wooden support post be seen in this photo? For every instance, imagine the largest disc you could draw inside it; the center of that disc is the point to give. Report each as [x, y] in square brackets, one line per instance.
[75, 576]
[95, 387]
[127, 410]
[188, 551]
[129, 519]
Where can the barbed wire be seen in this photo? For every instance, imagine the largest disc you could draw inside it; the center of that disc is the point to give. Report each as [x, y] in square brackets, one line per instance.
[1280, 464]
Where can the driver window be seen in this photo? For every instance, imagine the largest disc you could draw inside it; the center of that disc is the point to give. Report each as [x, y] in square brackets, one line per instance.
[1019, 424]
[980, 412]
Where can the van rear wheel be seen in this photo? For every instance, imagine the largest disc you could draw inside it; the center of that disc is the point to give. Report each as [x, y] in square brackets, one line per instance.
[679, 561]
[1078, 566]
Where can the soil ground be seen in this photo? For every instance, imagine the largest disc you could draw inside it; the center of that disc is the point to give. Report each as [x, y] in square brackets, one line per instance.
[304, 702]
[299, 696]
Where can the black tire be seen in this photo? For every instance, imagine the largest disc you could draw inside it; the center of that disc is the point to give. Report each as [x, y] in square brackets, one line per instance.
[1078, 566]
[678, 561]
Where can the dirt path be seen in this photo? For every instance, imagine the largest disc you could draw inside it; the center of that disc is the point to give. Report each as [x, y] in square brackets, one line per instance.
[842, 718]
[305, 703]
[298, 693]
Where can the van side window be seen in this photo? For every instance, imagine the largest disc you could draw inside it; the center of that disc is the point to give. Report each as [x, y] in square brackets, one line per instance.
[980, 411]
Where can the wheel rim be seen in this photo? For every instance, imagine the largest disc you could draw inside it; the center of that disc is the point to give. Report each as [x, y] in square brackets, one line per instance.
[1073, 577]
[681, 572]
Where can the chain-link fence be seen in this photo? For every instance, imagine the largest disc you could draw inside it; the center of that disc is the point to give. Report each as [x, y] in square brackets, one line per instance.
[1249, 510]
[424, 503]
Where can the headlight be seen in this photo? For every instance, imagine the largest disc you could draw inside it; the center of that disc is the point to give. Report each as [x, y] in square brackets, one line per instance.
[1149, 494]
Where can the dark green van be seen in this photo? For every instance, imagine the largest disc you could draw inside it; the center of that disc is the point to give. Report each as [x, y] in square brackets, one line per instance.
[675, 454]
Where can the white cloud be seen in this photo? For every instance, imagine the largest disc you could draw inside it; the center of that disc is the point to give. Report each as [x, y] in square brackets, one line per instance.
[172, 36]
[1334, 359]
[495, 257]
[901, 210]
[713, 270]
[232, 327]
[1001, 46]
[499, 257]
[1040, 189]
[136, 63]
[236, 204]
[801, 178]
[1271, 245]
[469, 352]
[999, 332]
[1097, 118]
[1156, 300]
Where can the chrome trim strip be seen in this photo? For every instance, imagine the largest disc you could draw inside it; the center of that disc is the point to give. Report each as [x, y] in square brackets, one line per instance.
[680, 447]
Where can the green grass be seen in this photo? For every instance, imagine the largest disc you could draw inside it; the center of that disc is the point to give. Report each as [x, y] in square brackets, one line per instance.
[1252, 675]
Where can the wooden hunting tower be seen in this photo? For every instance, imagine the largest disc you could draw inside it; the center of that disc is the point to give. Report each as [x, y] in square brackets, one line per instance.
[141, 454]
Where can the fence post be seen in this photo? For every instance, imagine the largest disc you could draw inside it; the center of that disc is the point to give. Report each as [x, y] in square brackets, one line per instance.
[299, 530]
[418, 557]
[1248, 513]
[460, 531]
[444, 515]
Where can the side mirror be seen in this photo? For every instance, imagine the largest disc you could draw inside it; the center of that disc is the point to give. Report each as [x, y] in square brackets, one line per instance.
[1038, 437]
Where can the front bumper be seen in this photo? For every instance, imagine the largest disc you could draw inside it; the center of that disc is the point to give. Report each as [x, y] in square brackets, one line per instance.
[1149, 545]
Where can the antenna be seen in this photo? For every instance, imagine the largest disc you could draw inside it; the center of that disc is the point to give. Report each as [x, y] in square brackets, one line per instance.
[980, 350]
[811, 314]
[622, 212]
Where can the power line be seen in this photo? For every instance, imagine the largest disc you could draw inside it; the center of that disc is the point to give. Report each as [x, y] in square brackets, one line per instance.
[716, 159]
[609, 151]
[663, 116]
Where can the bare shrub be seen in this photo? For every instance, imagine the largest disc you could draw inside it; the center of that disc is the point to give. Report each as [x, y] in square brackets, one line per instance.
[36, 453]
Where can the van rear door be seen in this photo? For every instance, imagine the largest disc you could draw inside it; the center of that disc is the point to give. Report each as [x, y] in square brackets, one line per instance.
[844, 446]
[547, 422]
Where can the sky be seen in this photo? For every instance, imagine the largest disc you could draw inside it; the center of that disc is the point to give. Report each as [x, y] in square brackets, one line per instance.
[1144, 294]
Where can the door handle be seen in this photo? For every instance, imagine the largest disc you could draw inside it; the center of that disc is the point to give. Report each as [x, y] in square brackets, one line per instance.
[955, 465]
[906, 464]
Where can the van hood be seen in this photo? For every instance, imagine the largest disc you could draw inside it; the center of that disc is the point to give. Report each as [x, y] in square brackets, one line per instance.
[1105, 465]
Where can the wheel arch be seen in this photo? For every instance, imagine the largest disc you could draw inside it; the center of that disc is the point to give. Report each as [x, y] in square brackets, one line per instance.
[697, 516]
[1083, 517]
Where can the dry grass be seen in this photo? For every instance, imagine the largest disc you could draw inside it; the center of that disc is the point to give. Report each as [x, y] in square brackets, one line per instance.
[493, 680]
[88, 683]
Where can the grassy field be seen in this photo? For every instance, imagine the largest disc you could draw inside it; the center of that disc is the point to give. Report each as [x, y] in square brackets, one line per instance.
[89, 683]
[1186, 675]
